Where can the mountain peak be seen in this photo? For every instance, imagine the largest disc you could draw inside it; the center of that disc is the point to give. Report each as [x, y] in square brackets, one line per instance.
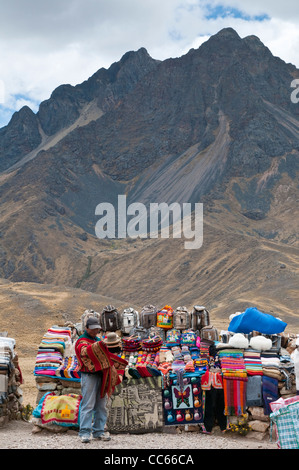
[227, 33]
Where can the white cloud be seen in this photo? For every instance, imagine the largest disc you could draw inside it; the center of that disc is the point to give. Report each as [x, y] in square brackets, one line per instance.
[47, 43]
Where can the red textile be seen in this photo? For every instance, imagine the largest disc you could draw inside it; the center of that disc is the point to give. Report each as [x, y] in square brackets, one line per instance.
[94, 356]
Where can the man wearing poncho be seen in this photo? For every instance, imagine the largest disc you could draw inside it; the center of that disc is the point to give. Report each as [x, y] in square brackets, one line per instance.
[100, 371]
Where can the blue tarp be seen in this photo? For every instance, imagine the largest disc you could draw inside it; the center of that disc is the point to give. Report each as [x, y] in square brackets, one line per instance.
[254, 320]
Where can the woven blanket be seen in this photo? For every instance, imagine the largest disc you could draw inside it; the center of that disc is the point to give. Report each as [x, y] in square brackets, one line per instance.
[136, 407]
[94, 356]
[270, 392]
[234, 395]
[62, 410]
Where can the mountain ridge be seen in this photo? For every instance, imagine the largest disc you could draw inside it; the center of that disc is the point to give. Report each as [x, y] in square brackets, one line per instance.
[216, 126]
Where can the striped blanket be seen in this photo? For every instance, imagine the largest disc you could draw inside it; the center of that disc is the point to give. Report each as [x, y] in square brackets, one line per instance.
[234, 381]
[234, 395]
[232, 363]
[253, 363]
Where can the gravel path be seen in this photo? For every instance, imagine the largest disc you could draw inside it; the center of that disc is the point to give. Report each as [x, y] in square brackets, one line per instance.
[19, 435]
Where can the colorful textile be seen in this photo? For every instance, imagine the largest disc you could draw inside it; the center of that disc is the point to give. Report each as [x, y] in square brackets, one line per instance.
[232, 363]
[281, 402]
[212, 379]
[69, 368]
[253, 363]
[165, 317]
[286, 420]
[182, 403]
[152, 344]
[173, 337]
[234, 395]
[188, 338]
[47, 362]
[62, 410]
[131, 344]
[52, 348]
[94, 356]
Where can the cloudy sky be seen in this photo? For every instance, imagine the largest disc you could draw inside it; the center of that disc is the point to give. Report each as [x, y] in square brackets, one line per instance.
[46, 43]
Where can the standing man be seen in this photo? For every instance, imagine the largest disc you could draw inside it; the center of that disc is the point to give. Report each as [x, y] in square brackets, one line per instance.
[100, 371]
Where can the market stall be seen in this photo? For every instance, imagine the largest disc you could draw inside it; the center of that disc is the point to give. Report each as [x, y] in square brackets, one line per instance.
[180, 376]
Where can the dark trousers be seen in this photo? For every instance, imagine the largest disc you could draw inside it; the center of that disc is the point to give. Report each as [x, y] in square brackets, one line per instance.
[214, 409]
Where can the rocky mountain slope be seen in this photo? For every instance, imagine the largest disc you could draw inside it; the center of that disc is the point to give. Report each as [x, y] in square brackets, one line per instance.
[216, 126]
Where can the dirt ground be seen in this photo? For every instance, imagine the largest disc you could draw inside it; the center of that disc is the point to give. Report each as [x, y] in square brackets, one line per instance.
[19, 435]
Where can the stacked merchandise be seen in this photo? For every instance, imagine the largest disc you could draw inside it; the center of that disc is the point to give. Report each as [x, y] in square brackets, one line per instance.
[271, 375]
[131, 344]
[182, 371]
[11, 397]
[53, 348]
[6, 355]
[253, 362]
[56, 367]
[205, 352]
[254, 369]
[151, 344]
[142, 355]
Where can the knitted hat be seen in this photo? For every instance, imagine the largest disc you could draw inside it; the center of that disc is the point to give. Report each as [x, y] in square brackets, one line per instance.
[112, 340]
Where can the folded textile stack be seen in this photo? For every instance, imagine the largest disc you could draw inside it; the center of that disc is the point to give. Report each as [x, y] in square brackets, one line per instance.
[10, 381]
[271, 365]
[204, 349]
[47, 361]
[232, 363]
[6, 356]
[59, 336]
[55, 343]
[252, 361]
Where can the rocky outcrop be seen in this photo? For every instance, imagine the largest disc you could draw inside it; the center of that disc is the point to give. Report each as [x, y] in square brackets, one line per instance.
[19, 137]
